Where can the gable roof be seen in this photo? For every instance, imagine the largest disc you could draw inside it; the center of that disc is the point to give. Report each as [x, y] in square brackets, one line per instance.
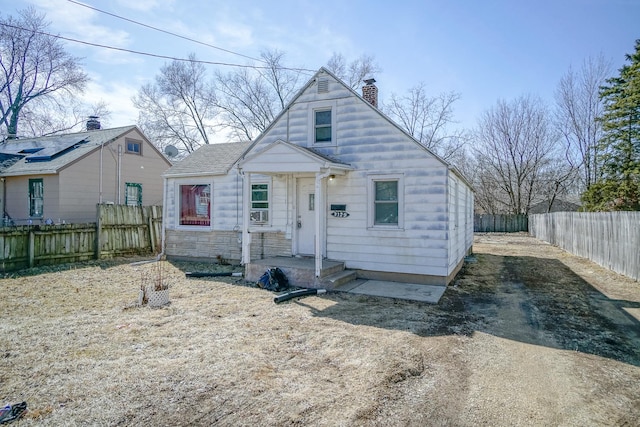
[209, 159]
[49, 154]
[313, 80]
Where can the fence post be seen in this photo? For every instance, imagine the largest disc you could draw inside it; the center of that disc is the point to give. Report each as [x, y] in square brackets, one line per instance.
[32, 247]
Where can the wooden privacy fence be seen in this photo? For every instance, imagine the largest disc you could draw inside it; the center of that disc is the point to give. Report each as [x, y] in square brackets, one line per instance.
[487, 223]
[611, 239]
[119, 231]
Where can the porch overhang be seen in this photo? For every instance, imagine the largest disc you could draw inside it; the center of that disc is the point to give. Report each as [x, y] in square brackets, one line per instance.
[283, 157]
[280, 158]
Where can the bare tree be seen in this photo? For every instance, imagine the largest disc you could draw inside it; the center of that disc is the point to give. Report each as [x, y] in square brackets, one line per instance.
[429, 119]
[577, 107]
[557, 179]
[515, 145]
[180, 107]
[61, 117]
[35, 68]
[251, 98]
[354, 72]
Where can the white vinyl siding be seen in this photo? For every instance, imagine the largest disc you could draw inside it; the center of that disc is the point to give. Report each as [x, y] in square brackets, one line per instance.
[374, 148]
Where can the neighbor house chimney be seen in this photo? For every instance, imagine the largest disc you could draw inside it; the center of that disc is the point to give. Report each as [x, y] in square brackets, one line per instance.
[93, 123]
[370, 92]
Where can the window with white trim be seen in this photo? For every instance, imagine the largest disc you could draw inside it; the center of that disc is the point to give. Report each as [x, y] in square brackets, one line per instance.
[322, 125]
[386, 208]
[195, 204]
[259, 213]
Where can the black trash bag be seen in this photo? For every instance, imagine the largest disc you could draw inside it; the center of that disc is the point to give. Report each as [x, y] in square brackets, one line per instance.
[11, 413]
[273, 279]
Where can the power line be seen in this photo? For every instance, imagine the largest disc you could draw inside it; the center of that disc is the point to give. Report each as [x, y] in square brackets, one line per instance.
[164, 31]
[154, 55]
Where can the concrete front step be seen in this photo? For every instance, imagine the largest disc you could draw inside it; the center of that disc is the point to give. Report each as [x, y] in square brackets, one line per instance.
[337, 279]
[299, 271]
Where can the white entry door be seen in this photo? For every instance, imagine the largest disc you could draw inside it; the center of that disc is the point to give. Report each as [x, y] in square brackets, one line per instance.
[306, 220]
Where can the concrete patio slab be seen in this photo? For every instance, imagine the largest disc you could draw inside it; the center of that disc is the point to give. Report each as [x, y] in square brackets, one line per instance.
[406, 291]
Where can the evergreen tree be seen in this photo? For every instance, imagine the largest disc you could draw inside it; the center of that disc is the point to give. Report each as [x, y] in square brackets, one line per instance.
[619, 186]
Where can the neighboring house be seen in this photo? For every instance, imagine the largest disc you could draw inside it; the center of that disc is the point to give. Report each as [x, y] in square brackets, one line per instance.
[331, 179]
[62, 178]
[558, 205]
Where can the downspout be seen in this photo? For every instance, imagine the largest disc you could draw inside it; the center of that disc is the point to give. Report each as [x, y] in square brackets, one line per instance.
[164, 218]
[319, 211]
[100, 196]
[246, 236]
[4, 195]
[119, 171]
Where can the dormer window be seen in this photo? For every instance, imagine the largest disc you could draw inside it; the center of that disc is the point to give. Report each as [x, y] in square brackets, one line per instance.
[323, 125]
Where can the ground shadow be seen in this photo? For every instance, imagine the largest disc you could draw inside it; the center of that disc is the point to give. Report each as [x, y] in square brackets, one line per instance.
[533, 300]
[104, 264]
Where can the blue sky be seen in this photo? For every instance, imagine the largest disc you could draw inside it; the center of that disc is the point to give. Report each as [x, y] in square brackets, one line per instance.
[484, 49]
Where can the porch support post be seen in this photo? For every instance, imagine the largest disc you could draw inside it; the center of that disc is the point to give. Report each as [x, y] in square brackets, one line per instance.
[319, 214]
[246, 236]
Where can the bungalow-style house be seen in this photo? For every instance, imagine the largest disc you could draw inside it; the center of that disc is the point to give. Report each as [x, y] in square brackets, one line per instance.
[62, 178]
[332, 181]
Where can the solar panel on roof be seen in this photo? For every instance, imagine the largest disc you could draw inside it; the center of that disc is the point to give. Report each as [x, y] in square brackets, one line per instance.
[30, 150]
[51, 151]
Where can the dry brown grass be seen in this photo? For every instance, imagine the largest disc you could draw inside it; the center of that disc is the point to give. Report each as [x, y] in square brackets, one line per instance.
[74, 346]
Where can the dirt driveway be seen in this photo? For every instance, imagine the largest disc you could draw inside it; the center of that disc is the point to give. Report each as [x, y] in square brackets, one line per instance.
[526, 335]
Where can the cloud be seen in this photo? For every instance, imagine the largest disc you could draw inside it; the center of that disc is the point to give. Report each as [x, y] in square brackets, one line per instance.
[117, 95]
[146, 5]
[79, 23]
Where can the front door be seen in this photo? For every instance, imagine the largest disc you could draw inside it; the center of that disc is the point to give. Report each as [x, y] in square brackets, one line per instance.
[306, 220]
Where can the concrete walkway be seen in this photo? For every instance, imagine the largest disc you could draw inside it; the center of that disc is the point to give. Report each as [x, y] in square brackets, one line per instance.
[406, 291]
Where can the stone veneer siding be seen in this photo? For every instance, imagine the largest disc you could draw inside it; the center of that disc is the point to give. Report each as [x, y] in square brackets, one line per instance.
[211, 244]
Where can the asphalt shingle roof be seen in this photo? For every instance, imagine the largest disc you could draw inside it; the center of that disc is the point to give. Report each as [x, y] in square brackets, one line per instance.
[209, 159]
[82, 143]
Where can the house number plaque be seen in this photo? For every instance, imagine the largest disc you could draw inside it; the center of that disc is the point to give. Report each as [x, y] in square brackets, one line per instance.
[340, 214]
[339, 211]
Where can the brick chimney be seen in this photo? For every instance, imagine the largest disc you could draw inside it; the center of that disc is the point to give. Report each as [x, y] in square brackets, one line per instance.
[93, 123]
[370, 92]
